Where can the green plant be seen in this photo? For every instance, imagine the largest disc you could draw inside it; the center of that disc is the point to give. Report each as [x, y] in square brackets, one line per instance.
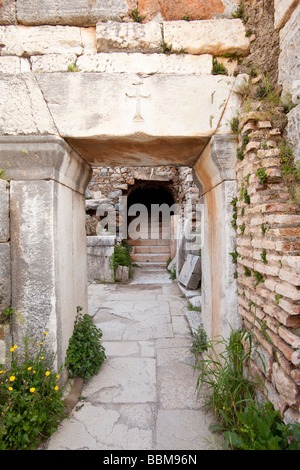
[247, 271]
[136, 17]
[277, 298]
[263, 256]
[2, 174]
[258, 277]
[121, 257]
[165, 48]
[234, 255]
[85, 354]
[200, 342]
[194, 307]
[235, 213]
[262, 175]
[218, 68]
[31, 403]
[244, 194]
[72, 68]
[239, 12]
[260, 428]
[234, 124]
[186, 18]
[172, 272]
[224, 378]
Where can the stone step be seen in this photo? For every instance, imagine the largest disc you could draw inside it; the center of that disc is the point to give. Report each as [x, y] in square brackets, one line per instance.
[150, 257]
[149, 242]
[151, 249]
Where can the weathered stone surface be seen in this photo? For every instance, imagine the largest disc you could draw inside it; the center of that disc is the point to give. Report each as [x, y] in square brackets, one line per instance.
[22, 107]
[122, 274]
[114, 36]
[286, 387]
[190, 273]
[215, 37]
[48, 157]
[14, 65]
[99, 251]
[283, 10]
[151, 108]
[293, 130]
[5, 276]
[289, 59]
[171, 10]
[7, 12]
[28, 40]
[53, 62]
[4, 211]
[79, 13]
[145, 63]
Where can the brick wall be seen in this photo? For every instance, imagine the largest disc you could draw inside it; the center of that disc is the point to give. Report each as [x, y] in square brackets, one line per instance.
[268, 258]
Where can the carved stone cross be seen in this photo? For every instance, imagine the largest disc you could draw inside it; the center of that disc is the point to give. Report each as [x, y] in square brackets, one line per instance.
[138, 96]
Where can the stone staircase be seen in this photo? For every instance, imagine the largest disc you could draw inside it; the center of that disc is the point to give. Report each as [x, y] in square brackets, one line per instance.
[153, 248]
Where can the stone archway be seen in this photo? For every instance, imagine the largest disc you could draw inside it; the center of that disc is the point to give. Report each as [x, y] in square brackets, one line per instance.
[75, 120]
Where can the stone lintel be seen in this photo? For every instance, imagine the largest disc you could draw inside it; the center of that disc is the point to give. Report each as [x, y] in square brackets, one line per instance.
[43, 158]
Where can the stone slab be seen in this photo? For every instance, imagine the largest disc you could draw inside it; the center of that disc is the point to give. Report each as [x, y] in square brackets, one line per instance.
[215, 37]
[22, 106]
[182, 430]
[190, 273]
[124, 380]
[30, 40]
[135, 37]
[79, 13]
[137, 62]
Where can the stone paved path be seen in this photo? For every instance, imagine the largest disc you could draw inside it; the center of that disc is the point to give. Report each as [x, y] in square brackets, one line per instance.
[143, 397]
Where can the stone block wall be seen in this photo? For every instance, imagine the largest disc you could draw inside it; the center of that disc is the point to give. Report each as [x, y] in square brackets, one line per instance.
[268, 260]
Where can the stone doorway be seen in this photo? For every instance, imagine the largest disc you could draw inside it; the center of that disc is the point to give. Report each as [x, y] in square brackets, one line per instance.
[149, 212]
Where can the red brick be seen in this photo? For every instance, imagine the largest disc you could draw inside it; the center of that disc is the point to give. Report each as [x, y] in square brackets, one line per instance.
[176, 9]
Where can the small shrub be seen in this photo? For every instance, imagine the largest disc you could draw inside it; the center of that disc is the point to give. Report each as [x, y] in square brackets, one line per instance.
[121, 257]
[136, 17]
[85, 354]
[262, 175]
[31, 405]
[200, 342]
[218, 68]
[234, 124]
[261, 428]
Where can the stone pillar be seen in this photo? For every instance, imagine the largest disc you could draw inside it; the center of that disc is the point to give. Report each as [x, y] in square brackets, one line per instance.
[48, 241]
[215, 171]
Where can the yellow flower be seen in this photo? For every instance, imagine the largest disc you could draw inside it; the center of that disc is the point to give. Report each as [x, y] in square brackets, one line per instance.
[15, 347]
[29, 368]
[32, 389]
[46, 332]
[47, 373]
[12, 378]
[12, 349]
[41, 342]
[1, 371]
[56, 388]
[42, 357]
[10, 389]
[57, 376]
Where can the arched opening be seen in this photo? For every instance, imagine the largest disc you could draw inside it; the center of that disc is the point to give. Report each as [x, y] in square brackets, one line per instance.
[150, 207]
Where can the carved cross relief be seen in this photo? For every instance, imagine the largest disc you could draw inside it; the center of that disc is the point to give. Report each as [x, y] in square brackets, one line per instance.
[138, 97]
